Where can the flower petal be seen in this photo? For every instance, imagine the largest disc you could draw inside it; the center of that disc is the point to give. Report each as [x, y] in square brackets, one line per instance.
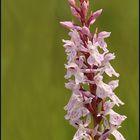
[118, 135]
[104, 34]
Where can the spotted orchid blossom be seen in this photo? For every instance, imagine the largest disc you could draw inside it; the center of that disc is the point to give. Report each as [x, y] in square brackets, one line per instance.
[90, 108]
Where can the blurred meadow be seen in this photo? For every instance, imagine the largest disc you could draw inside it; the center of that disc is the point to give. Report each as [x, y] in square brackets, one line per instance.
[33, 92]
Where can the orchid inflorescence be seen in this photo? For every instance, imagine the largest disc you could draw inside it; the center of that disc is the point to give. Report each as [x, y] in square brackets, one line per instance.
[89, 109]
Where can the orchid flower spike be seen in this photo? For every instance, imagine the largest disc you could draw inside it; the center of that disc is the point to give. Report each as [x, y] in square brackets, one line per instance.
[90, 108]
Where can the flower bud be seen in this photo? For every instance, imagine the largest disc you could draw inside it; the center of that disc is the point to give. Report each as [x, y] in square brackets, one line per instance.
[67, 24]
[93, 17]
[84, 8]
[75, 13]
[72, 2]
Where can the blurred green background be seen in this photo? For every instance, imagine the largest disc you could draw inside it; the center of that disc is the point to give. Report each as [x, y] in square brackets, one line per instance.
[33, 92]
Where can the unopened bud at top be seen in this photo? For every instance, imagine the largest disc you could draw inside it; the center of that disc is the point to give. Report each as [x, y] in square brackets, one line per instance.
[84, 8]
[72, 2]
[93, 17]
